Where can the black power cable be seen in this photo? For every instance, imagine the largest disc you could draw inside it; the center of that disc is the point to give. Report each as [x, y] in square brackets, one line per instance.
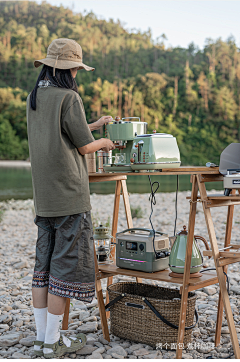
[208, 269]
[152, 200]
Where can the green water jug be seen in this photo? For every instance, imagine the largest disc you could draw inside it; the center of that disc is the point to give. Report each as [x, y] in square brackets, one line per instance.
[178, 253]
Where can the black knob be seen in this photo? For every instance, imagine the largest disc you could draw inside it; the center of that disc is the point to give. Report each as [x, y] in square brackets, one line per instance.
[141, 247]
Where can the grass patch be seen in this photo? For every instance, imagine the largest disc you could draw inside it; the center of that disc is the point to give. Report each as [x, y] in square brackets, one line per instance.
[96, 221]
[137, 212]
[1, 215]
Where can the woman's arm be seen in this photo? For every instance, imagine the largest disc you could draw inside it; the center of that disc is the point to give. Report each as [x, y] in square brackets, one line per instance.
[104, 143]
[98, 124]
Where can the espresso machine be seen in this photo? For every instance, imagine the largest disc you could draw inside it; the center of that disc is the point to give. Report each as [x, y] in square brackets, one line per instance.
[139, 151]
[122, 133]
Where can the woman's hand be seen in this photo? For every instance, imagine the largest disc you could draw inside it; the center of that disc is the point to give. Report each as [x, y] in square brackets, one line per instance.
[108, 146]
[104, 120]
[98, 124]
[102, 144]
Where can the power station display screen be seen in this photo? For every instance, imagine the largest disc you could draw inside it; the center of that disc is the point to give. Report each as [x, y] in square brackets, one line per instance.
[131, 246]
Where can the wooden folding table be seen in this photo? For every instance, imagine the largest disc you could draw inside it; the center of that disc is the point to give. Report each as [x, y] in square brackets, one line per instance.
[199, 175]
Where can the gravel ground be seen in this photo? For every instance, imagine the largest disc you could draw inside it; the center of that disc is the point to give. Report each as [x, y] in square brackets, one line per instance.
[17, 250]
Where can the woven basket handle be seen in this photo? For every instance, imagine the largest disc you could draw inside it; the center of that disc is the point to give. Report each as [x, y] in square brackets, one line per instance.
[165, 320]
[119, 297]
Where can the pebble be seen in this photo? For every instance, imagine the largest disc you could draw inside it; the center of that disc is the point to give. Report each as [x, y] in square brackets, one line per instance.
[235, 290]
[73, 315]
[117, 350]
[102, 340]
[98, 344]
[28, 341]
[83, 314]
[186, 356]
[17, 249]
[106, 356]
[95, 312]
[153, 355]
[89, 327]
[117, 356]
[18, 355]
[86, 350]
[18, 323]
[21, 265]
[90, 319]
[140, 352]
[4, 328]
[10, 339]
[210, 290]
[96, 355]
[225, 330]
[135, 347]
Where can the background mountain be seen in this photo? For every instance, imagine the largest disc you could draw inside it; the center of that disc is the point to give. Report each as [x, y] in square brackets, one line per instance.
[193, 94]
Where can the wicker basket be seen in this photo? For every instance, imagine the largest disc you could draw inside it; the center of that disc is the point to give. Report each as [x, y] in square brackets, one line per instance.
[132, 318]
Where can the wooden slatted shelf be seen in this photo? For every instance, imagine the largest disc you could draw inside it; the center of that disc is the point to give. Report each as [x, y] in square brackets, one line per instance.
[227, 255]
[219, 200]
[207, 278]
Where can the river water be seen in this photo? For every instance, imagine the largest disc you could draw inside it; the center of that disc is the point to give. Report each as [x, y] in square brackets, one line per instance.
[16, 183]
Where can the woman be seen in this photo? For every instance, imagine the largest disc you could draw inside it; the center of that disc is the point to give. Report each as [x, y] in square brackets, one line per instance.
[59, 137]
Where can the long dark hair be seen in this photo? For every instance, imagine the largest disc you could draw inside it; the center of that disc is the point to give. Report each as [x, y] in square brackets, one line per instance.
[63, 79]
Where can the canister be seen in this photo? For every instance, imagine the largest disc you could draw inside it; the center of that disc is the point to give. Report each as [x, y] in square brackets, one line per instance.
[91, 162]
[100, 161]
[107, 158]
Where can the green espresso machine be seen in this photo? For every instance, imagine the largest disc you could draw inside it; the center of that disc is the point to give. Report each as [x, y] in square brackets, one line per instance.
[139, 151]
[122, 133]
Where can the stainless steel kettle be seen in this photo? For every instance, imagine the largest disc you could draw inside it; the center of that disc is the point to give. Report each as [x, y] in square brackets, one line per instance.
[178, 253]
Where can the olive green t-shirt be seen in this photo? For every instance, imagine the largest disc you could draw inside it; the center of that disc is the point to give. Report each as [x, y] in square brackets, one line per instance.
[56, 130]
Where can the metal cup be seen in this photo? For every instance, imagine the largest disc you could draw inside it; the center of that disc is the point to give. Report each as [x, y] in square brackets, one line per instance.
[100, 161]
[107, 158]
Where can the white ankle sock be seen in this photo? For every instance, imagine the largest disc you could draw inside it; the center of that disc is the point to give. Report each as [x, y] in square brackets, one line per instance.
[40, 315]
[54, 323]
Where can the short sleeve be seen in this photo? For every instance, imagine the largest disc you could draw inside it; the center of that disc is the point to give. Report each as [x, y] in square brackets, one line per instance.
[75, 125]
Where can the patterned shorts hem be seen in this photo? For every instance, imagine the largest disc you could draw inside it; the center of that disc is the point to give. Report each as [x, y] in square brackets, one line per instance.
[82, 299]
[40, 279]
[80, 291]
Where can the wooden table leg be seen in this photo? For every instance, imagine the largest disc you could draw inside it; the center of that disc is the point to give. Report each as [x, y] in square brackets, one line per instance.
[100, 299]
[188, 258]
[114, 231]
[220, 301]
[66, 315]
[221, 277]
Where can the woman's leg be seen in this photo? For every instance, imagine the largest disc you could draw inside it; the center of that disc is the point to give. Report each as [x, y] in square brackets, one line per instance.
[44, 248]
[40, 297]
[56, 304]
[72, 273]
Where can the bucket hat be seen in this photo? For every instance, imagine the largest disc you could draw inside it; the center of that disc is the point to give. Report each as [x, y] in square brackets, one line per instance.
[63, 53]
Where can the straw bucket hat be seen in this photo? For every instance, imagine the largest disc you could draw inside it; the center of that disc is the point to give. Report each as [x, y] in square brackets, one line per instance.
[63, 53]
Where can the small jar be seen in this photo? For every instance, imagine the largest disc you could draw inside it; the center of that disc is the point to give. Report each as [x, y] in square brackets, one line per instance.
[100, 161]
[107, 158]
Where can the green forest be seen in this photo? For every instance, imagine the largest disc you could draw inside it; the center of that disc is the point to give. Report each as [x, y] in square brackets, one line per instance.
[191, 93]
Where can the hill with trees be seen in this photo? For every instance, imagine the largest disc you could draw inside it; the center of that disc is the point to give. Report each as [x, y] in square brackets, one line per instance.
[191, 93]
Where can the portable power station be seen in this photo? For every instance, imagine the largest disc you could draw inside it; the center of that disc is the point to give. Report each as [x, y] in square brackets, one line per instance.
[135, 250]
